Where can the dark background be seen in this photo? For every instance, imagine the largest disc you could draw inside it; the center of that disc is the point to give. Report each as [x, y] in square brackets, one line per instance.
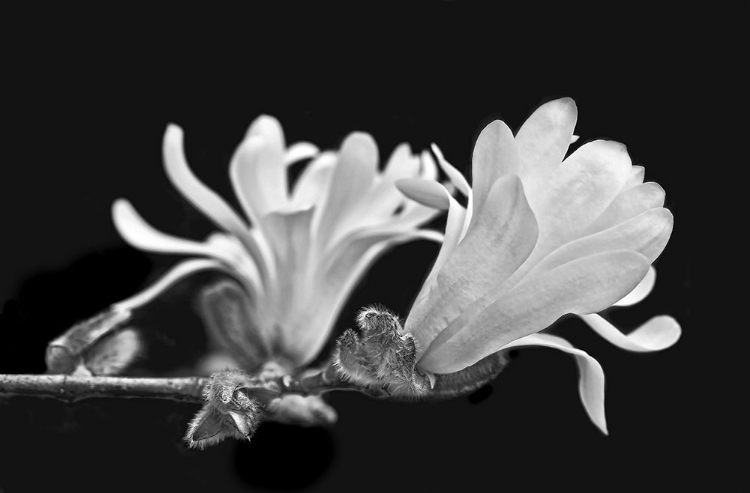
[84, 111]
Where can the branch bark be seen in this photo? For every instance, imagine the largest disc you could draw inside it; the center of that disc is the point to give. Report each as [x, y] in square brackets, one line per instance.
[69, 388]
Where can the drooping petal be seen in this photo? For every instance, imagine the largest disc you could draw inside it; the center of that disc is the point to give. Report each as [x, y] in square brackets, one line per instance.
[351, 180]
[628, 204]
[259, 176]
[138, 233]
[202, 197]
[641, 291]
[426, 192]
[502, 237]
[577, 192]
[658, 333]
[591, 382]
[495, 155]
[299, 151]
[585, 285]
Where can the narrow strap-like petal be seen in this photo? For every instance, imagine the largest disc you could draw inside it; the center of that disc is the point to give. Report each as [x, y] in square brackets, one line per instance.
[591, 381]
[428, 168]
[202, 197]
[657, 334]
[586, 285]
[259, 177]
[495, 246]
[641, 291]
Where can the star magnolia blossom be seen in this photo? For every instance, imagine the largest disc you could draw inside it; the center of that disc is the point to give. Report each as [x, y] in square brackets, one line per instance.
[306, 248]
[542, 236]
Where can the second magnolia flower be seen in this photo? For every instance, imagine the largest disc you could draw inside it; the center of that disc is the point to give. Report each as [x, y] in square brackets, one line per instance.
[306, 247]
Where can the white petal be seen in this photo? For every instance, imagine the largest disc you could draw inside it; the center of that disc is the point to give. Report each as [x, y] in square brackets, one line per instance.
[658, 333]
[641, 291]
[637, 174]
[202, 197]
[495, 155]
[502, 237]
[628, 204]
[574, 139]
[585, 285]
[299, 151]
[646, 234]
[428, 169]
[312, 185]
[578, 191]
[259, 176]
[452, 173]
[351, 180]
[426, 192]
[591, 383]
[543, 140]
[401, 164]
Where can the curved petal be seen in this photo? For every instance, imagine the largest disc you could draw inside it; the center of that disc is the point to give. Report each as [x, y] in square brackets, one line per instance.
[502, 237]
[351, 180]
[202, 197]
[299, 151]
[641, 291]
[628, 204]
[428, 169]
[591, 382]
[544, 139]
[426, 192]
[495, 155]
[585, 285]
[452, 173]
[138, 233]
[657, 334]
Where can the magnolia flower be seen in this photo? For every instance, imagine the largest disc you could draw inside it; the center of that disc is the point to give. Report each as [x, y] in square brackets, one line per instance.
[542, 236]
[307, 246]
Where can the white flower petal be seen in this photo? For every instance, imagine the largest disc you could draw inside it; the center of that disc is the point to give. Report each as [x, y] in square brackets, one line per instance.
[627, 204]
[657, 334]
[544, 138]
[202, 197]
[577, 192]
[641, 291]
[495, 155]
[269, 129]
[574, 139]
[259, 176]
[502, 237]
[401, 164]
[312, 184]
[646, 234]
[591, 382]
[351, 180]
[637, 174]
[453, 227]
[299, 151]
[426, 192]
[428, 169]
[585, 285]
[452, 173]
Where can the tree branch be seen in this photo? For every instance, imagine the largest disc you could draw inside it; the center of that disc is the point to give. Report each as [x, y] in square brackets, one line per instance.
[70, 388]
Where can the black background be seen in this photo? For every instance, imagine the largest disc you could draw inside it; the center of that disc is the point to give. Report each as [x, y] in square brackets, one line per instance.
[84, 112]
